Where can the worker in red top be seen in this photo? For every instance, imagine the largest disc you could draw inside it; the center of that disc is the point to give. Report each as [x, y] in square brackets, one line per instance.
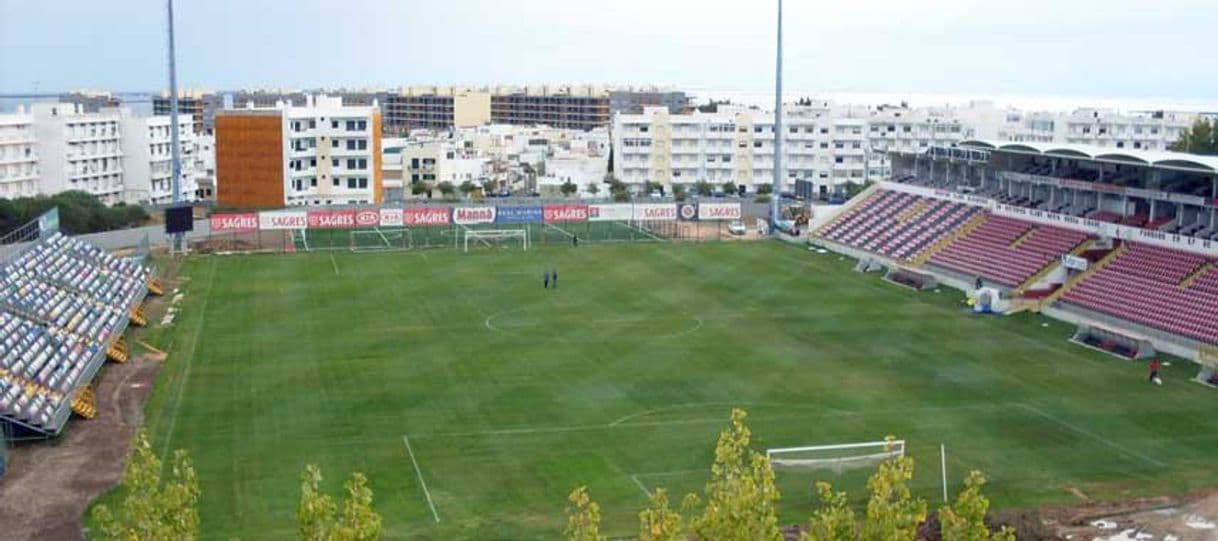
[1154, 372]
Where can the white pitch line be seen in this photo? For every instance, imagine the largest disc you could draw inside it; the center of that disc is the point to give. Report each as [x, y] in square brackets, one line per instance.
[1092, 435]
[640, 484]
[194, 346]
[422, 483]
[334, 264]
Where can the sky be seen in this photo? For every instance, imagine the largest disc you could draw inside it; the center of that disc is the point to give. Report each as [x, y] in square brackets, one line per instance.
[1110, 48]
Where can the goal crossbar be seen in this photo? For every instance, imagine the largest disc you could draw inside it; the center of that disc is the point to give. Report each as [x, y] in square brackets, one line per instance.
[835, 456]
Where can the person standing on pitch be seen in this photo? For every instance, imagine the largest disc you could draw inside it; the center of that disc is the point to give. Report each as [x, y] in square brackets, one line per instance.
[575, 241]
[545, 280]
[555, 278]
[1155, 365]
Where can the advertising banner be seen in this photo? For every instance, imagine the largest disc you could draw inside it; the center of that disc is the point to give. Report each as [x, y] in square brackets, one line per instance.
[392, 218]
[719, 211]
[367, 217]
[558, 214]
[282, 220]
[1074, 262]
[331, 219]
[427, 216]
[244, 222]
[518, 215]
[473, 215]
[687, 211]
[610, 213]
[655, 212]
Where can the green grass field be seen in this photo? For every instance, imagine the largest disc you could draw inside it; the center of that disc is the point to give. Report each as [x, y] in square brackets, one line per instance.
[510, 395]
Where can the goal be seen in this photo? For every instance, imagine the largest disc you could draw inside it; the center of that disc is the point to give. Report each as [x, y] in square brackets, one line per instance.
[838, 457]
[370, 240]
[497, 237]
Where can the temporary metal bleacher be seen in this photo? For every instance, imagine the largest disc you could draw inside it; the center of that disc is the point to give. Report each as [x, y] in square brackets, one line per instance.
[63, 305]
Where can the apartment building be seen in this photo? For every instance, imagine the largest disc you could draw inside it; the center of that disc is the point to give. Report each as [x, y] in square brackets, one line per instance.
[1152, 130]
[321, 153]
[91, 101]
[78, 150]
[199, 105]
[579, 107]
[18, 155]
[825, 144]
[148, 158]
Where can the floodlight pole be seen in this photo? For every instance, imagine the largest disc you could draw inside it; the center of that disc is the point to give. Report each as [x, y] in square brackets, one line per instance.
[776, 191]
[175, 152]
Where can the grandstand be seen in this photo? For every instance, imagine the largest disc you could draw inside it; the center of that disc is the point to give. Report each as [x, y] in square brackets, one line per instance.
[1138, 227]
[64, 305]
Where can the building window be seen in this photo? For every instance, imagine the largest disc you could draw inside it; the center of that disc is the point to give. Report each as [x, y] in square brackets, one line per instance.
[334, 124]
[351, 183]
[363, 144]
[335, 182]
[363, 125]
[334, 143]
[363, 163]
[363, 182]
[334, 162]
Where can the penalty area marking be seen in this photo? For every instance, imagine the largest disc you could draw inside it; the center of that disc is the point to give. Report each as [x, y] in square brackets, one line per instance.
[1124, 450]
[334, 264]
[422, 483]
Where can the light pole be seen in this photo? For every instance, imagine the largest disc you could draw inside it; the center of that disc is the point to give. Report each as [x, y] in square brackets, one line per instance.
[776, 190]
[175, 152]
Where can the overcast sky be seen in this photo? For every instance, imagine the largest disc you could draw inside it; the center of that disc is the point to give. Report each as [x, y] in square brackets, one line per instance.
[1117, 48]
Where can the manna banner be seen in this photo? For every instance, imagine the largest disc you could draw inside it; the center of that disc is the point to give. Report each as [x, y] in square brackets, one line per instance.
[518, 215]
[427, 216]
[558, 214]
[473, 215]
[392, 218]
[610, 213]
[655, 212]
[282, 220]
[244, 222]
[367, 217]
[719, 211]
[331, 219]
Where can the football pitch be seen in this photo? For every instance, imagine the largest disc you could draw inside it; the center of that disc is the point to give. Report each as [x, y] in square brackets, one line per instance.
[475, 400]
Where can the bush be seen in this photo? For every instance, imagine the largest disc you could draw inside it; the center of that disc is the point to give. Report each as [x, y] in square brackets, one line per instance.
[79, 213]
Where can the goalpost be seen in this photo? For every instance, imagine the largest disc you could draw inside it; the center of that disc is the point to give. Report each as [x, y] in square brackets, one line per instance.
[499, 236]
[836, 457]
[377, 239]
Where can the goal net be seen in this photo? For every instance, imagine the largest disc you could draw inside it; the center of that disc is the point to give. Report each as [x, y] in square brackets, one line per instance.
[370, 240]
[836, 458]
[497, 238]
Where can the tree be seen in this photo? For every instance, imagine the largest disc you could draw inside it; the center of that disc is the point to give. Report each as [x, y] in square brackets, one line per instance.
[447, 189]
[583, 517]
[740, 496]
[618, 190]
[79, 213]
[729, 187]
[1200, 138]
[594, 188]
[568, 188]
[316, 512]
[765, 189]
[703, 188]
[650, 187]
[834, 520]
[420, 188]
[679, 192]
[153, 508]
[489, 187]
[965, 519]
[466, 187]
[658, 522]
[892, 512]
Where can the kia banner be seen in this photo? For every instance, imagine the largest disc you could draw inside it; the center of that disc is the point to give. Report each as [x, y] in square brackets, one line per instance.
[687, 212]
[518, 215]
[617, 212]
[234, 223]
[473, 215]
[427, 216]
[283, 219]
[719, 211]
[331, 219]
[558, 214]
[655, 212]
[367, 217]
[391, 218]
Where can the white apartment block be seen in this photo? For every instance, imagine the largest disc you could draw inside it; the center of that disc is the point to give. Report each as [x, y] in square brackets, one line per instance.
[824, 144]
[332, 152]
[79, 151]
[1155, 130]
[18, 156]
[148, 160]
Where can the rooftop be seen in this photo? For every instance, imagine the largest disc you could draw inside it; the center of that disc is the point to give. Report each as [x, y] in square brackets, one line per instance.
[1164, 159]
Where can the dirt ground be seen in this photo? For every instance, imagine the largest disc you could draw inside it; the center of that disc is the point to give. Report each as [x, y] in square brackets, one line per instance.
[1189, 518]
[50, 484]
